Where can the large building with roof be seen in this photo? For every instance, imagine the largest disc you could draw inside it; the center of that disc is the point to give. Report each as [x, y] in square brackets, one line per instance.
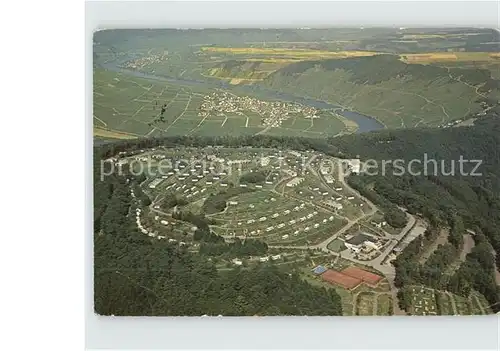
[359, 240]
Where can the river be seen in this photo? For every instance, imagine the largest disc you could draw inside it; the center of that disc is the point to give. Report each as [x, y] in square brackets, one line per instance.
[365, 123]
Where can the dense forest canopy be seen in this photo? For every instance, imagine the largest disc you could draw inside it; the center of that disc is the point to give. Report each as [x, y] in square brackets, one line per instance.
[135, 275]
[380, 68]
[460, 201]
[457, 201]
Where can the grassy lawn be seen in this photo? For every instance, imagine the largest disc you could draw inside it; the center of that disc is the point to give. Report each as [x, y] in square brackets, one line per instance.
[365, 304]
[337, 245]
[384, 305]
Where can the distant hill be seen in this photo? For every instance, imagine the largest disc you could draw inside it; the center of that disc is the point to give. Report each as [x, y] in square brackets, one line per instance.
[398, 94]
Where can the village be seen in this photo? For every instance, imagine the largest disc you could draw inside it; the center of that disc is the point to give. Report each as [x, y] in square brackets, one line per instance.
[214, 170]
[144, 61]
[275, 197]
[273, 113]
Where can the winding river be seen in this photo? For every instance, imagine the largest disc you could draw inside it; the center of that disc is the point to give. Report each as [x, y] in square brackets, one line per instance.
[365, 123]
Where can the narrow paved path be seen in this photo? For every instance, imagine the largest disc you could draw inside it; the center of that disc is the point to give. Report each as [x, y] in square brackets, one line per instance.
[387, 269]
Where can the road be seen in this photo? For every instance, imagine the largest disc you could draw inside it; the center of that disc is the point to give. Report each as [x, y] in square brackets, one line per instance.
[377, 263]
[323, 245]
[386, 269]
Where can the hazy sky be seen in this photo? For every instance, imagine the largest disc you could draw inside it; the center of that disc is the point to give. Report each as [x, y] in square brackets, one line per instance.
[295, 14]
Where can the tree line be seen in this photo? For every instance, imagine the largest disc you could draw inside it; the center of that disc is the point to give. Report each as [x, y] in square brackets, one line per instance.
[457, 201]
[239, 248]
[135, 275]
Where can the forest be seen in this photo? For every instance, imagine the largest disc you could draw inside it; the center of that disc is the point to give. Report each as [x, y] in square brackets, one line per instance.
[238, 248]
[380, 68]
[135, 275]
[455, 201]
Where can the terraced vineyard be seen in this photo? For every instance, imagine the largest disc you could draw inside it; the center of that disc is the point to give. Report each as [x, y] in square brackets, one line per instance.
[401, 96]
[126, 106]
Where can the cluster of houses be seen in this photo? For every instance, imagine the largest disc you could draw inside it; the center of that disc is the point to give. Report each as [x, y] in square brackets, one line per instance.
[294, 182]
[239, 262]
[151, 233]
[142, 228]
[155, 182]
[272, 112]
[334, 204]
[379, 224]
[187, 174]
[146, 60]
[485, 108]
[291, 223]
[424, 302]
[329, 179]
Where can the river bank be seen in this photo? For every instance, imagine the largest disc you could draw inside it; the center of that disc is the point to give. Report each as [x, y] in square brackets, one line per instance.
[364, 123]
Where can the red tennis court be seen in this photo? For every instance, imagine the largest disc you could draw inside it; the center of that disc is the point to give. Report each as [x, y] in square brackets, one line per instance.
[358, 273]
[338, 278]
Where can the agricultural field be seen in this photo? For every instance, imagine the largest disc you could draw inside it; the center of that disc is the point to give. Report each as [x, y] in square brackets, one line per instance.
[459, 57]
[365, 304]
[401, 77]
[129, 107]
[384, 305]
[248, 65]
[274, 196]
[394, 101]
[139, 107]
[427, 301]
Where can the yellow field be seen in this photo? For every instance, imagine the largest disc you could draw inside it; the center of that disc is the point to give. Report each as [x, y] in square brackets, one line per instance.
[439, 36]
[302, 42]
[274, 60]
[294, 54]
[423, 36]
[113, 134]
[450, 56]
[271, 59]
[236, 81]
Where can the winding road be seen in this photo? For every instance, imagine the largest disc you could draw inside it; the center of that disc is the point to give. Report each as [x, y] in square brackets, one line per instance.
[377, 263]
